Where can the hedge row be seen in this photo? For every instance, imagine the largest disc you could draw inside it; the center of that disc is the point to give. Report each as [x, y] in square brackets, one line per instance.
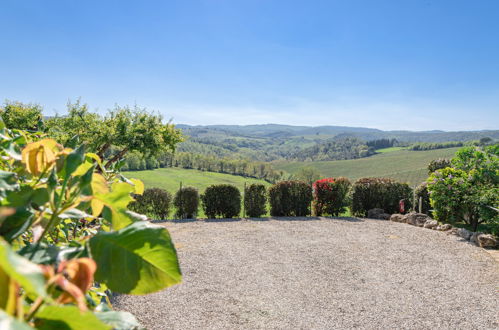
[329, 196]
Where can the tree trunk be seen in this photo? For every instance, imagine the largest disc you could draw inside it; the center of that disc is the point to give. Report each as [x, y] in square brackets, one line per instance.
[117, 157]
[102, 150]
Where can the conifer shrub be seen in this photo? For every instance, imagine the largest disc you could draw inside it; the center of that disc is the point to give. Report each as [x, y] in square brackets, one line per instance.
[383, 193]
[222, 200]
[330, 196]
[154, 202]
[186, 202]
[290, 198]
[255, 200]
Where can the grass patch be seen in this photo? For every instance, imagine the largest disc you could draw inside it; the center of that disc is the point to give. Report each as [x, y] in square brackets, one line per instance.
[402, 165]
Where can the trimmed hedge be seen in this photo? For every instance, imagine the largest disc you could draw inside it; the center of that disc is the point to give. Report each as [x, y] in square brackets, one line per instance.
[290, 198]
[154, 202]
[186, 202]
[255, 200]
[331, 196]
[222, 200]
[383, 193]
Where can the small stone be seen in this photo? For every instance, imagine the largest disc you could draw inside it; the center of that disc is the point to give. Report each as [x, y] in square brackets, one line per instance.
[474, 237]
[431, 224]
[487, 240]
[397, 217]
[416, 219]
[464, 233]
[444, 227]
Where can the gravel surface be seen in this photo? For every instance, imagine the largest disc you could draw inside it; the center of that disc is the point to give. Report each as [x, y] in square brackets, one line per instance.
[322, 273]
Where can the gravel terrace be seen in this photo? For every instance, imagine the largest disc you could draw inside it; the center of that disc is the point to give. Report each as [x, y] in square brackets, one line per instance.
[322, 273]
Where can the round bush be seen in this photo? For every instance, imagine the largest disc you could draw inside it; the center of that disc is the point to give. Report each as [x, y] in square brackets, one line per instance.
[383, 193]
[154, 202]
[331, 196]
[222, 200]
[290, 198]
[186, 202]
[255, 200]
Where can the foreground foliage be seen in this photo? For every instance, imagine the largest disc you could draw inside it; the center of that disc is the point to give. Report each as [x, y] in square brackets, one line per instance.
[469, 190]
[67, 238]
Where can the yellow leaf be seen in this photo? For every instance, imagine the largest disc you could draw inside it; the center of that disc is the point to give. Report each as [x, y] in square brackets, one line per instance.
[138, 185]
[40, 156]
[82, 169]
[99, 184]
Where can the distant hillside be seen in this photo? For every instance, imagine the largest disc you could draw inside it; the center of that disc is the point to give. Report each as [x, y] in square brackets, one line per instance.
[277, 142]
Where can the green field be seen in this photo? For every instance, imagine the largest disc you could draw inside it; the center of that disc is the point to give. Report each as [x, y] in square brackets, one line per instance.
[402, 165]
[170, 178]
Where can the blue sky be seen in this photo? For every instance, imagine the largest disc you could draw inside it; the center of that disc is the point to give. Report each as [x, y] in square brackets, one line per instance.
[400, 64]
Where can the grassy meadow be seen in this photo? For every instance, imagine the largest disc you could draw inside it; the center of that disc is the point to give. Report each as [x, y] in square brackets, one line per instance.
[170, 178]
[399, 164]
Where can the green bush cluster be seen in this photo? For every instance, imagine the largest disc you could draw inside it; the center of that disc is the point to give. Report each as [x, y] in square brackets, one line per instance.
[255, 200]
[331, 196]
[223, 200]
[290, 198]
[154, 202]
[384, 193]
[186, 202]
[469, 190]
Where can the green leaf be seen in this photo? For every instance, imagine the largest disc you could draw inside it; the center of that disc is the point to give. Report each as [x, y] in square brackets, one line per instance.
[67, 317]
[9, 322]
[16, 224]
[23, 271]
[74, 214]
[119, 320]
[73, 160]
[117, 204]
[8, 181]
[137, 259]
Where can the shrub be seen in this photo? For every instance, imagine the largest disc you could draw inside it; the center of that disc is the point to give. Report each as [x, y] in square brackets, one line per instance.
[468, 192]
[154, 202]
[421, 193]
[331, 196]
[383, 193]
[186, 202]
[290, 198]
[255, 200]
[221, 200]
[438, 164]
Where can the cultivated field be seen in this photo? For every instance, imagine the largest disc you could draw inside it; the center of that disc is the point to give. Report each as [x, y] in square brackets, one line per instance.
[170, 178]
[322, 274]
[402, 165]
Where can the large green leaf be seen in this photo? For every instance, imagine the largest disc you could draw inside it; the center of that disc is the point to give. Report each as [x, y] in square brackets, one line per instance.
[9, 322]
[117, 204]
[137, 259]
[119, 320]
[23, 271]
[67, 317]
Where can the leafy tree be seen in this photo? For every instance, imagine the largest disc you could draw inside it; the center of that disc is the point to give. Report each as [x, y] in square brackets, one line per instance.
[17, 115]
[307, 174]
[123, 128]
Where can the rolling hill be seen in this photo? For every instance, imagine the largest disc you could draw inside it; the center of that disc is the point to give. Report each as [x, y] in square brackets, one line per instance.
[402, 165]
